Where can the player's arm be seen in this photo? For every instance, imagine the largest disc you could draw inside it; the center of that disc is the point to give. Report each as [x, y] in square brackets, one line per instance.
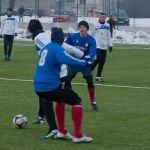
[64, 58]
[92, 48]
[73, 50]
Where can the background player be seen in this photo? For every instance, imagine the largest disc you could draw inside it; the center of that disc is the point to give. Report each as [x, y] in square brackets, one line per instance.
[9, 28]
[87, 44]
[101, 32]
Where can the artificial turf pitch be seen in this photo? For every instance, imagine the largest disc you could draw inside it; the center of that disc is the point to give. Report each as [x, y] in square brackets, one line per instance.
[123, 122]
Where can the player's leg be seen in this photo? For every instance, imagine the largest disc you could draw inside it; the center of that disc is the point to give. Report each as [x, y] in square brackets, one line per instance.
[88, 76]
[47, 107]
[71, 74]
[6, 40]
[67, 95]
[96, 60]
[40, 113]
[69, 80]
[40, 119]
[11, 40]
[91, 91]
[102, 58]
[60, 114]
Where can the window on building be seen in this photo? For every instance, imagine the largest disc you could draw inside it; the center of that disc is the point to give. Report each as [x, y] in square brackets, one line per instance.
[70, 1]
[82, 1]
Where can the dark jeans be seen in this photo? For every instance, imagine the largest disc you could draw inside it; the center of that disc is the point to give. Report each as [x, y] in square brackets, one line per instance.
[8, 44]
[100, 60]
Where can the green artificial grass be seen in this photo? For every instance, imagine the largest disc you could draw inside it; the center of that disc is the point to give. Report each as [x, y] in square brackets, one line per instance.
[123, 122]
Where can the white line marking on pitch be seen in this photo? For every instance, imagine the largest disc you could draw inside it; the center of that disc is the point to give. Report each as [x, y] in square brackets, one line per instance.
[106, 85]
[116, 47]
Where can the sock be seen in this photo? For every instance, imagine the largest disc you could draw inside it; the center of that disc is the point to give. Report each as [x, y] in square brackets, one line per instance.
[77, 120]
[92, 94]
[60, 113]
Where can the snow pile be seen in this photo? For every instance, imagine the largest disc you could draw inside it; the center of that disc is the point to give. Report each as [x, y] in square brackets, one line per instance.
[123, 37]
[119, 37]
[22, 34]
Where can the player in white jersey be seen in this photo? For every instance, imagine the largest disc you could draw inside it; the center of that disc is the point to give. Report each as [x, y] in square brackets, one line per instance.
[101, 32]
[8, 30]
[41, 39]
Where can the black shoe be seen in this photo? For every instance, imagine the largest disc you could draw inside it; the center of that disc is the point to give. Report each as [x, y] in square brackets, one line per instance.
[94, 106]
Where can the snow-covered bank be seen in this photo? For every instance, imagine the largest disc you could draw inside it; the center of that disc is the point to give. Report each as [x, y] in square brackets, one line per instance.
[119, 37]
[137, 22]
[139, 37]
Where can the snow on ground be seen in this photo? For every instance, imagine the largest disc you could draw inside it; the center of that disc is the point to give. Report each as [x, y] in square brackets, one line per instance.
[140, 22]
[139, 37]
[121, 37]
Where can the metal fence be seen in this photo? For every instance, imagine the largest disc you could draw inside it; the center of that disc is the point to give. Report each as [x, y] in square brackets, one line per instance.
[77, 8]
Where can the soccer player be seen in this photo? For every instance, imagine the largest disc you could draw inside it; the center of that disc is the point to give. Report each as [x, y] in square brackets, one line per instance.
[47, 83]
[101, 32]
[87, 44]
[111, 22]
[41, 39]
[9, 27]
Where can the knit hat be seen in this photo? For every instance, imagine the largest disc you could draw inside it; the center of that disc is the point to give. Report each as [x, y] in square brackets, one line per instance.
[83, 23]
[34, 26]
[57, 35]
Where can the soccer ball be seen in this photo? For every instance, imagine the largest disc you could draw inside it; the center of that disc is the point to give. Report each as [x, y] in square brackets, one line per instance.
[20, 121]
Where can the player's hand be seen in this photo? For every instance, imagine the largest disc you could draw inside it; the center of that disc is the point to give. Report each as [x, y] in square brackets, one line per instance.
[88, 60]
[16, 34]
[110, 49]
[1, 36]
[89, 63]
[86, 57]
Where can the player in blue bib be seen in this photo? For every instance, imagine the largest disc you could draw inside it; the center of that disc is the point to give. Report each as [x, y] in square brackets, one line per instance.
[87, 44]
[47, 83]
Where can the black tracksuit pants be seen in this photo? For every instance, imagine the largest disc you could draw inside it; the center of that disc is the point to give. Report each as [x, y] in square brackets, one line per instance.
[8, 44]
[62, 94]
[100, 60]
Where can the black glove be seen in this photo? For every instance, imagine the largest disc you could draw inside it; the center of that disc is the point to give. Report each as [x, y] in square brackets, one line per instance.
[89, 63]
[110, 49]
[86, 57]
[1, 36]
[16, 34]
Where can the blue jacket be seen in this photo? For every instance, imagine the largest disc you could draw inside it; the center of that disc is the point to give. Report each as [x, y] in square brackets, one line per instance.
[87, 44]
[47, 76]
